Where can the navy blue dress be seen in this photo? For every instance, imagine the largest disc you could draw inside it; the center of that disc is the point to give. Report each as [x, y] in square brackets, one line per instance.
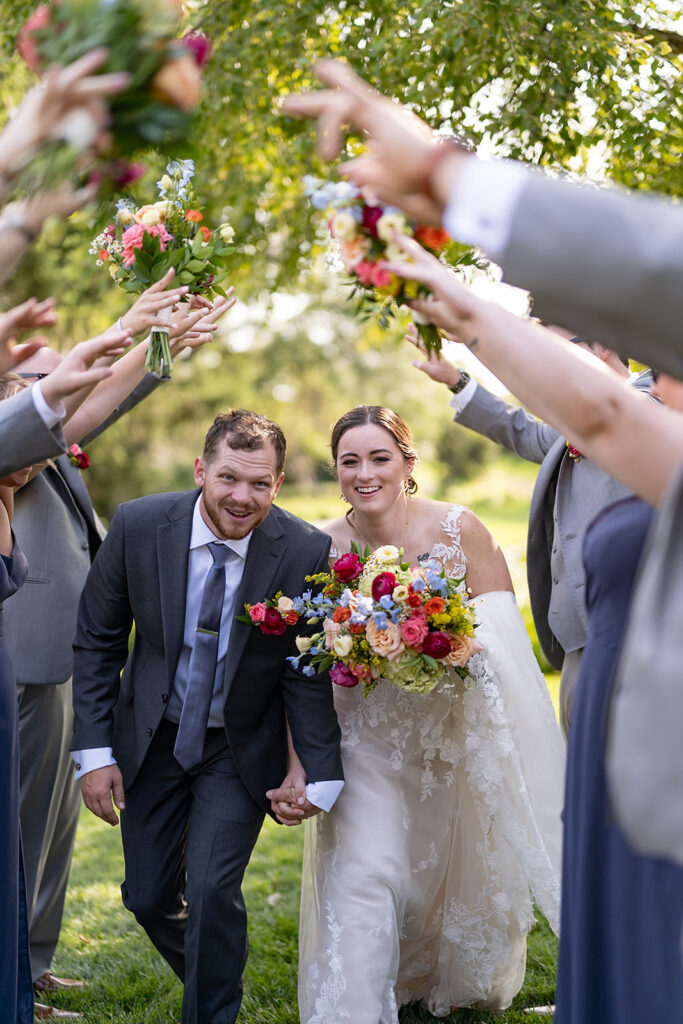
[620, 936]
[16, 988]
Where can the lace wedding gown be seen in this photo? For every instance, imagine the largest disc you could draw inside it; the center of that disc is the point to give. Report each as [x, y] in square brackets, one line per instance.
[418, 885]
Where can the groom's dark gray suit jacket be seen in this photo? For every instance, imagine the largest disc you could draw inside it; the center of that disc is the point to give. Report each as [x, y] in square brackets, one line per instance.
[140, 576]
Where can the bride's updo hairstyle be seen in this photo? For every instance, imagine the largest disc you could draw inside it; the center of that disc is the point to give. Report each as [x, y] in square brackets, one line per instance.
[380, 416]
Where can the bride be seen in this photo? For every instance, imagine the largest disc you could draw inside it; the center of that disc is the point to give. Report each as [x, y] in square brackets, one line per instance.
[418, 885]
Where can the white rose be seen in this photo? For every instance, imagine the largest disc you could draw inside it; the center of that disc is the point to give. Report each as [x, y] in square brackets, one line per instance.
[303, 644]
[284, 606]
[151, 217]
[344, 227]
[125, 216]
[227, 232]
[166, 182]
[164, 207]
[394, 252]
[386, 555]
[343, 645]
[390, 222]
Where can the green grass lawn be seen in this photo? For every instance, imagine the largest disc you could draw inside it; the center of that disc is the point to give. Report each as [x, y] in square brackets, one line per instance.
[128, 983]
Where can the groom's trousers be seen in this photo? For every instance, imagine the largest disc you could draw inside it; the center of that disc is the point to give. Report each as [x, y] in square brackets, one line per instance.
[187, 839]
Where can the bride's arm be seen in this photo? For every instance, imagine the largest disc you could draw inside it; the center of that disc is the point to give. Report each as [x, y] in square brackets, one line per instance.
[290, 812]
[486, 566]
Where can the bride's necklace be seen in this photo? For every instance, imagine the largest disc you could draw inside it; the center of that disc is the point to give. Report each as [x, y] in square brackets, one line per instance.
[399, 543]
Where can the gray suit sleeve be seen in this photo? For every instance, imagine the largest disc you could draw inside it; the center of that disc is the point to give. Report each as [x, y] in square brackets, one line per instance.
[149, 383]
[603, 263]
[508, 424]
[24, 437]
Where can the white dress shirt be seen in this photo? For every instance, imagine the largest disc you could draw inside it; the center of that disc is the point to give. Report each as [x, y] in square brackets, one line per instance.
[321, 794]
[481, 208]
[48, 415]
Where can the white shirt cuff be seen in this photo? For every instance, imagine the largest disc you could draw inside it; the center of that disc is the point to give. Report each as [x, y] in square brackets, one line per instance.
[50, 417]
[482, 206]
[92, 759]
[323, 794]
[463, 398]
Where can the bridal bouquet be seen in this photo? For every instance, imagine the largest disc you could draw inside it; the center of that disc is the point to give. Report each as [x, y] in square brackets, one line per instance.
[146, 241]
[155, 110]
[381, 619]
[365, 233]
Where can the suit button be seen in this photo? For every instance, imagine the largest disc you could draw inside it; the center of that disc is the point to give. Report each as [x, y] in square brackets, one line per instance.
[78, 767]
[148, 731]
[85, 545]
[164, 698]
[556, 579]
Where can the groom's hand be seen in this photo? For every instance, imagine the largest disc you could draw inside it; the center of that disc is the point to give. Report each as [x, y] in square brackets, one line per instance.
[98, 787]
[288, 808]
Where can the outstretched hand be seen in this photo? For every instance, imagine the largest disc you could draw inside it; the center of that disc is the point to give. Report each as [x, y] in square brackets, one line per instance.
[433, 365]
[197, 320]
[99, 787]
[402, 148]
[77, 371]
[26, 317]
[145, 311]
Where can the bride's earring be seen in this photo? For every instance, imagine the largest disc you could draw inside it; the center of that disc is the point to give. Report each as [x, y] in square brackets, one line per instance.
[343, 497]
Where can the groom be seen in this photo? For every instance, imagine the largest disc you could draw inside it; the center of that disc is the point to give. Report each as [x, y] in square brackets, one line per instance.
[193, 733]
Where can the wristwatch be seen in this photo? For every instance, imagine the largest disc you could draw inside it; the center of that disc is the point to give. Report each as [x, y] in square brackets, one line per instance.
[462, 383]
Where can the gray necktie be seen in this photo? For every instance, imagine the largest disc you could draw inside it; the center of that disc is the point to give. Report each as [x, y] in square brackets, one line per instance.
[189, 744]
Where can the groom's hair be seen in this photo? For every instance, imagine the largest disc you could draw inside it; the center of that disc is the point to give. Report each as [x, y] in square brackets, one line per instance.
[245, 430]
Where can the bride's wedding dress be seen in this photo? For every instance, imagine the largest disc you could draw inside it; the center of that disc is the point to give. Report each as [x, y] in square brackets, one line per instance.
[418, 885]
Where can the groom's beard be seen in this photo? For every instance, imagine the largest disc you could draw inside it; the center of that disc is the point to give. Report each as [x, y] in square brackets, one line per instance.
[227, 527]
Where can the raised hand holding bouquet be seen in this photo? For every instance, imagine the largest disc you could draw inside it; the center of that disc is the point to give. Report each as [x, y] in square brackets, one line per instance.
[148, 241]
[365, 232]
[141, 37]
[381, 619]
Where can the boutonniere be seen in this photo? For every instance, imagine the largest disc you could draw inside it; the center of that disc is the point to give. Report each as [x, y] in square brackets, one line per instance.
[573, 452]
[78, 457]
[273, 615]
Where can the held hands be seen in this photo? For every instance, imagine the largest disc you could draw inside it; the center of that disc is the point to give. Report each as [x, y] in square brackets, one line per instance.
[76, 370]
[98, 787]
[288, 803]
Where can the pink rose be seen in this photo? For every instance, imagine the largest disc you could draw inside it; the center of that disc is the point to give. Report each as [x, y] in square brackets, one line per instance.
[385, 642]
[26, 44]
[123, 173]
[199, 46]
[462, 649]
[273, 624]
[380, 277]
[257, 611]
[348, 567]
[383, 584]
[436, 644]
[342, 675]
[364, 271]
[414, 630]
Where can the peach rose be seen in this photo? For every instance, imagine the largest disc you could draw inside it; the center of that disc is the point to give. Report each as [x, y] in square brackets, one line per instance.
[178, 82]
[331, 633]
[354, 251]
[386, 642]
[462, 649]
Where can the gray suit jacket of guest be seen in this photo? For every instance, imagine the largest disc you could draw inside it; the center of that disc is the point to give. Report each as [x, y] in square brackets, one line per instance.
[604, 263]
[24, 438]
[140, 576]
[56, 526]
[562, 506]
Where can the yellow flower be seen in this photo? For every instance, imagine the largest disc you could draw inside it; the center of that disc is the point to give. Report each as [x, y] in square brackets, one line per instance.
[125, 216]
[166, 182]
[386, 555]
[344, 227]
[411, 289]
[390, 222]
[400, 593]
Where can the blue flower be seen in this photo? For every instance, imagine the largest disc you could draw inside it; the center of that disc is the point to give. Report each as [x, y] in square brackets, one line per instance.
[365, 606]
[294, 662]
[357, 619]
[298, 604]
[380, 619]
[418, 586]
[318, 599]
[386, 602]
[345, 598]
[308, 670]
[395, 614]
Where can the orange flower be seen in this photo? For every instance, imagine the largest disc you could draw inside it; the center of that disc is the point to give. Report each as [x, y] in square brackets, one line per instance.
[433, 238]
[104, 255]
[194, 216]
[434, 606]
[357, 628]
[291, 618]
[341, 614]
[206, 234]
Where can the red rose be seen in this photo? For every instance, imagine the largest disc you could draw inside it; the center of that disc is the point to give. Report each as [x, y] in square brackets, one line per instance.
[436, 644]
[371, 214]
[78, 457]
[342, 675]
[199, 46]
[348, 567]
[273, 624]
[26, 44]
[383, 584]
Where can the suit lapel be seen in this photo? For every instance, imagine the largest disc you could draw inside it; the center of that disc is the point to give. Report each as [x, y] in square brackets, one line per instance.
[266, 549]
[173, 546]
